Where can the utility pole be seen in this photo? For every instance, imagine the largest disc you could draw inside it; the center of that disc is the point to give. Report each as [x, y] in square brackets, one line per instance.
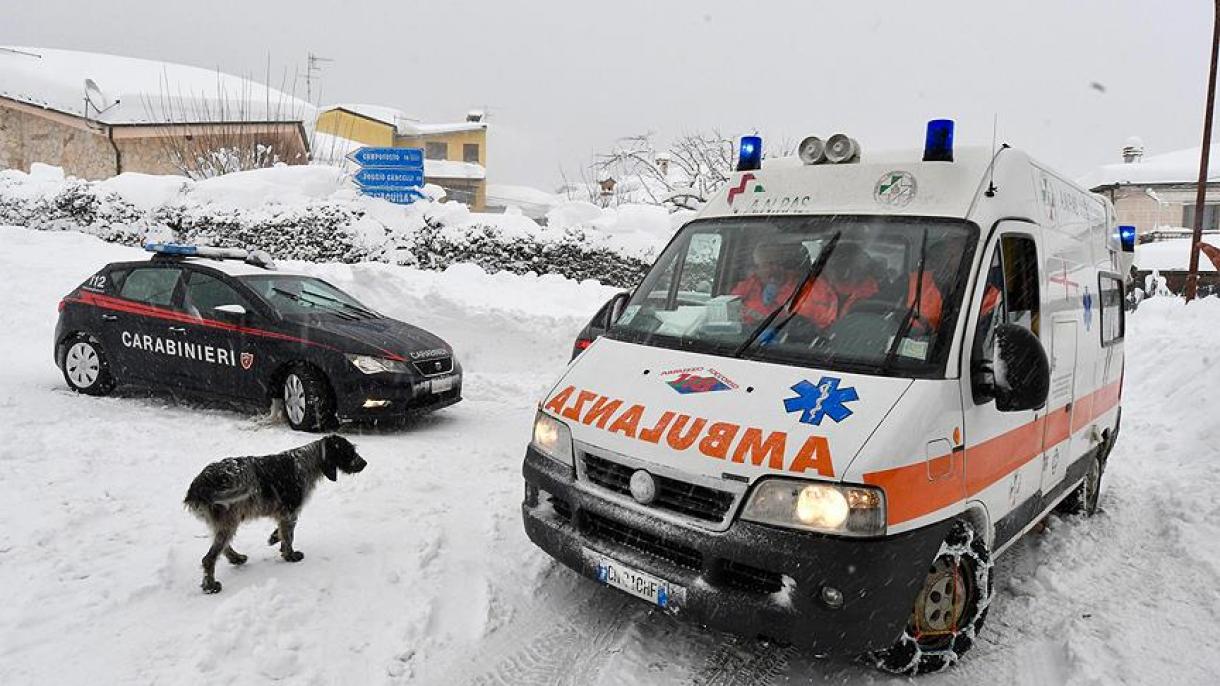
[1192, 278]
[313, 64]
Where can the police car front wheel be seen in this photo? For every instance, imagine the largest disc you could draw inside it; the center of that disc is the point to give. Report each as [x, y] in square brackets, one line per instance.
[86, 368]
[308, 401]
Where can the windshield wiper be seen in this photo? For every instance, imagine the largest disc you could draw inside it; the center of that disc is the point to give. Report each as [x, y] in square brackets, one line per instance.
[296, 297]
[909, 318]
[362, 310]
[789, 304]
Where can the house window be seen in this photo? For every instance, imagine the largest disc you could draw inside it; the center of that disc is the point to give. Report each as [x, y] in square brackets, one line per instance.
[1211, 217]
[470, 152]
[436, 151]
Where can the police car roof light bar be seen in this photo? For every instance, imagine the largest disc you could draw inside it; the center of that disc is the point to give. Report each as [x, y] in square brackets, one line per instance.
[938, 143]
[257, 258]
[749, 155]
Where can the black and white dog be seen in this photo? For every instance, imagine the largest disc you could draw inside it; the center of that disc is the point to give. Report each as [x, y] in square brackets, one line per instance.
[228, 492]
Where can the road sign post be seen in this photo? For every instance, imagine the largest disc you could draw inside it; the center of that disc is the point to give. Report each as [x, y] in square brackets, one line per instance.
[393, 174]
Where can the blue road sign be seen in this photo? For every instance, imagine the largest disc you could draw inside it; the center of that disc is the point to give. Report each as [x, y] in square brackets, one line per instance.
[409, 158]
[401, 196]
[394, 177]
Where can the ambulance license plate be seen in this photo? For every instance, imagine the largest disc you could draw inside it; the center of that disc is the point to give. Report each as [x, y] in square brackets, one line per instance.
[443, 384]
[638, 584]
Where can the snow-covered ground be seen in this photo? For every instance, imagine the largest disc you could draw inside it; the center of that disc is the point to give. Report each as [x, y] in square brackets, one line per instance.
[417, 570]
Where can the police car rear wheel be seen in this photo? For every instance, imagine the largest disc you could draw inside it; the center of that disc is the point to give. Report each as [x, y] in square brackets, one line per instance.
[85, 367]
[308, 402]
[949, 609]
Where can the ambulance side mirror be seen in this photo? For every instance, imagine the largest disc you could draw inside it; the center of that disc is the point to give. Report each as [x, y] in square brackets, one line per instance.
[1021, 373]
[614, 309]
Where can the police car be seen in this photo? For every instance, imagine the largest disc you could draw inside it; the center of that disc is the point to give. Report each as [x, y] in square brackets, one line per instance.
[224, 322]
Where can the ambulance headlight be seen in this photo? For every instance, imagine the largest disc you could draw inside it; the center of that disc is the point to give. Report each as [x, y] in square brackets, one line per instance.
[814, 506]
[552, 438]
[375, 365]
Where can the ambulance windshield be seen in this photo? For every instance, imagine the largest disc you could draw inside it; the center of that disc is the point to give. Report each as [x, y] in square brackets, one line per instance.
[867, 294]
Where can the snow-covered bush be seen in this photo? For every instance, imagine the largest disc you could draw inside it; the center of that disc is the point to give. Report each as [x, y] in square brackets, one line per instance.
[310, 213]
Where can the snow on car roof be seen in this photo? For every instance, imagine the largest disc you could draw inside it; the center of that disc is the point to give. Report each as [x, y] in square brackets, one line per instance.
[130, 90]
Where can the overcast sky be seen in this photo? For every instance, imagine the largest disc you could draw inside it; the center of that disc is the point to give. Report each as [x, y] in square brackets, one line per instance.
[562, 79]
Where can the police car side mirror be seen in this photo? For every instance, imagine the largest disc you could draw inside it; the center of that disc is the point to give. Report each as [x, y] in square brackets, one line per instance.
[232, 313]
[1021, 373]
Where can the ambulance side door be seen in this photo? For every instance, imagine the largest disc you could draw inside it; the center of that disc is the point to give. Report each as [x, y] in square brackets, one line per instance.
[1003, 449]
[144, 324]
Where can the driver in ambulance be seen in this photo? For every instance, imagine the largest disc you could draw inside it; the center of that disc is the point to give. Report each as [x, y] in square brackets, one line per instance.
[771, 282]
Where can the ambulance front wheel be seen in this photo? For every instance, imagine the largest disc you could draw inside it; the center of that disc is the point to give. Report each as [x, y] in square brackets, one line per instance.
[949, 609]
[309, 403]
[85, 366]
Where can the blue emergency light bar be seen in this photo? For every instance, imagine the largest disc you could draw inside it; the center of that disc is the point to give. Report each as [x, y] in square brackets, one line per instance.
[749, 155]
[257, 257]
[171, 248]
[1126, 237]
[938, 144]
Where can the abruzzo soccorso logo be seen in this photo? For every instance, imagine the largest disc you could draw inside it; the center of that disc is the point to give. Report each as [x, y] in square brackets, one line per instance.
[823, 399]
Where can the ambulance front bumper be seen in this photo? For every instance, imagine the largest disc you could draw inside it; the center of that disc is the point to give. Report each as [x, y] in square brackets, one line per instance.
[753, 580]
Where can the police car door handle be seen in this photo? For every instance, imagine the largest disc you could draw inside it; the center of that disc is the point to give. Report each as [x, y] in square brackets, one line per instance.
[178, 329]
[110, 318]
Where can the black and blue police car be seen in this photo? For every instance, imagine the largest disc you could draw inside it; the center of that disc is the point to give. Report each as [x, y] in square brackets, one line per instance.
[224, 322]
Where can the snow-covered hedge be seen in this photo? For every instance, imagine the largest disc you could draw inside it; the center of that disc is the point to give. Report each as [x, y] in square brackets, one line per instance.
[311, 213]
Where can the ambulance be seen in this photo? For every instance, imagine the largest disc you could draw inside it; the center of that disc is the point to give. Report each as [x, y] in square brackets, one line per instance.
[842, 390]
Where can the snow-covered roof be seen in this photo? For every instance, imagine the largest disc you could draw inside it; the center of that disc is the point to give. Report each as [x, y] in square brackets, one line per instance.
[1179, 166]
[403, 123]
[130, 90]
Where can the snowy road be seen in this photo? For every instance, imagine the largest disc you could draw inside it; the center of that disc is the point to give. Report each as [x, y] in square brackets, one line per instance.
[417, 570]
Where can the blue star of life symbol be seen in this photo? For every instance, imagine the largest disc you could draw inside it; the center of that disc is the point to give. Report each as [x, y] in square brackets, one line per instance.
[1088, 309]
[825, 399]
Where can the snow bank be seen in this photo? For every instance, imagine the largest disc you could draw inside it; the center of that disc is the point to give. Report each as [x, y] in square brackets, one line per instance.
[1172, 254]
[316, 213]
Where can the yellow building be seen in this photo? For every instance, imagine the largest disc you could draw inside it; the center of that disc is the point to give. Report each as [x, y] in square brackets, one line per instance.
[455, 155]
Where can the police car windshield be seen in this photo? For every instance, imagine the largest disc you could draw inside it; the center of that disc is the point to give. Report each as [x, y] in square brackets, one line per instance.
[866, 294]
[290, 294]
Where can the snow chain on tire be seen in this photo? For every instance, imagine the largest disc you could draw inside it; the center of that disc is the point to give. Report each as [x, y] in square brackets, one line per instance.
[908, 656]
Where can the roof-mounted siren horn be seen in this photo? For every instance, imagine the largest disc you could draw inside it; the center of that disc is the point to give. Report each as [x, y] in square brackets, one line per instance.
[812, 150]
[749, 154]
[938, 144]
[841, 148]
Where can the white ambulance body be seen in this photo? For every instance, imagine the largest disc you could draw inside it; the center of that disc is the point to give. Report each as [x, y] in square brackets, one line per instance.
[797, 478]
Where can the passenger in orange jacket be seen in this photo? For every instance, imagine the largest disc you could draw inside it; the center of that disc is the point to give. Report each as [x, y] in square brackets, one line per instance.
[770, 284]
[846, 281]
[940, 269]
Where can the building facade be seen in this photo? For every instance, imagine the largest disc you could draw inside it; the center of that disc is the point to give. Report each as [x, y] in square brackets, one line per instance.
[1156, 194]
[455, 154]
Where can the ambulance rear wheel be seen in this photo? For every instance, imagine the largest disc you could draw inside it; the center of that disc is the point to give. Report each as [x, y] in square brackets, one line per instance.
[309, 403]
[1084, 499]
[85, 366]
[949, 609]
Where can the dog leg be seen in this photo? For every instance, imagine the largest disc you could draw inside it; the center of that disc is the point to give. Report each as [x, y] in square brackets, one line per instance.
[220, 541]
[234, 557]
[274, 537]
[287, 527]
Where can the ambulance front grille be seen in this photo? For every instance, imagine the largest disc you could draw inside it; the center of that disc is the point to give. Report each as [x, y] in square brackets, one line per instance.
[607, 530]
[692, 500]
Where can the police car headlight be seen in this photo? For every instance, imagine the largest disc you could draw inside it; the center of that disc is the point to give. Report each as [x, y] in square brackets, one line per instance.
[375, 365]
[552, 438]
[822, 507]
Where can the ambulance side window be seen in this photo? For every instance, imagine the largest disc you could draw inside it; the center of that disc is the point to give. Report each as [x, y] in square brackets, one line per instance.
[1021, 298]
[1110, 307]
[152, 285]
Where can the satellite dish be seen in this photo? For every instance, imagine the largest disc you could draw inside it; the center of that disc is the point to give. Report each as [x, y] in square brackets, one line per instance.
[94, 96]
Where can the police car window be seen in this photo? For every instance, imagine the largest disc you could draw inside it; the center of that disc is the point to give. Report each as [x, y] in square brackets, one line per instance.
[205, 293]
[152, 285]
[292, 294]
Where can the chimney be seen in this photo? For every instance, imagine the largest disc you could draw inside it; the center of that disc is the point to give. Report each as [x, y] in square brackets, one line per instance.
[1133, 151]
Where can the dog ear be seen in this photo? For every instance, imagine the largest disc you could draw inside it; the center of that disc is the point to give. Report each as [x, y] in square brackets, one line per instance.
[328, 469]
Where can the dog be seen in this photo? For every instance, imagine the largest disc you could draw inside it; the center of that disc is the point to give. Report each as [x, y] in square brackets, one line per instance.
[235, 489]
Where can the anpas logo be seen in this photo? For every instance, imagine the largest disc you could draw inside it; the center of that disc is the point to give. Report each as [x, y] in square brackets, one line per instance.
[184, 349]
[741, 187]
[825, 399]
[697, 380]
[896, 189]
